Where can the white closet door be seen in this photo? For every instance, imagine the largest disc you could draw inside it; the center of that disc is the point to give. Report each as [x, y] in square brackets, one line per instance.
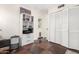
[58, 27]
[58, 31]
[65, 27]
[74, 28]
[61, 18]
[52, 27]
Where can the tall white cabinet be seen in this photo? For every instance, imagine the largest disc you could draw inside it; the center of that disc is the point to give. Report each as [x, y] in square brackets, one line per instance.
[64, 27]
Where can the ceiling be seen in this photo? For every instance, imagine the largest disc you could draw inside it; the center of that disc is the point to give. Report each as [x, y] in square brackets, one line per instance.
[42, 7]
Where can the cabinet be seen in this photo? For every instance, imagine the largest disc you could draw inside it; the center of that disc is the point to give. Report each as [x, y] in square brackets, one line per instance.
[27, 39]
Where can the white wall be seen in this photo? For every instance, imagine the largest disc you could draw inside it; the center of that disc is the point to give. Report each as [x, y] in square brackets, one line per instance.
[55, 9]
[28, 38]
[44, 28]
[10, 20]
[37, 14]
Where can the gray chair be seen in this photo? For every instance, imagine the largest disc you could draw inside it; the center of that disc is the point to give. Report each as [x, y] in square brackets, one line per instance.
[15, 44]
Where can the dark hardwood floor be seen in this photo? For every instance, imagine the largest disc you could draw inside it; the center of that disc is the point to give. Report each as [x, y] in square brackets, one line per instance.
[54, 49]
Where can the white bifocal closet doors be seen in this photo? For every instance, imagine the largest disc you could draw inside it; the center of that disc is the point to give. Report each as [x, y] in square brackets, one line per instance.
[64, 27]
[61, 28]
[58, 27]
[74, 27]
[51, 28]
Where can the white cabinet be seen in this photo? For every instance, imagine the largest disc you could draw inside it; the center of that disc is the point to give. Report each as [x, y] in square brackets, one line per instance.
[26, 39]
[74, 27]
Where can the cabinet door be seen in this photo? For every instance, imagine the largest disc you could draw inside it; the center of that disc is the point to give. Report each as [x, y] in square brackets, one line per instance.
[27, 39]
[51, 27]
[74, 27]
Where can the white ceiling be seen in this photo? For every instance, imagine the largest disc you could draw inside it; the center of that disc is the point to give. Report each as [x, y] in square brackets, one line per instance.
[42, 7]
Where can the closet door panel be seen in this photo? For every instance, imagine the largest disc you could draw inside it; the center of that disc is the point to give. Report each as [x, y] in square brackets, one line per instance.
[61, 18]
[74, 40]
[74, 19]
[74, 27]
[65, 38]
[52, 27]
[58, 35]
[58, 27]
[65, 27]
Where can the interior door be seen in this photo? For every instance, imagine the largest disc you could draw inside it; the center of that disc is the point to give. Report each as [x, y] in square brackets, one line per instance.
[61, 18]
[65, 40]
[58, 28]
[51, 27]
[74, 27]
